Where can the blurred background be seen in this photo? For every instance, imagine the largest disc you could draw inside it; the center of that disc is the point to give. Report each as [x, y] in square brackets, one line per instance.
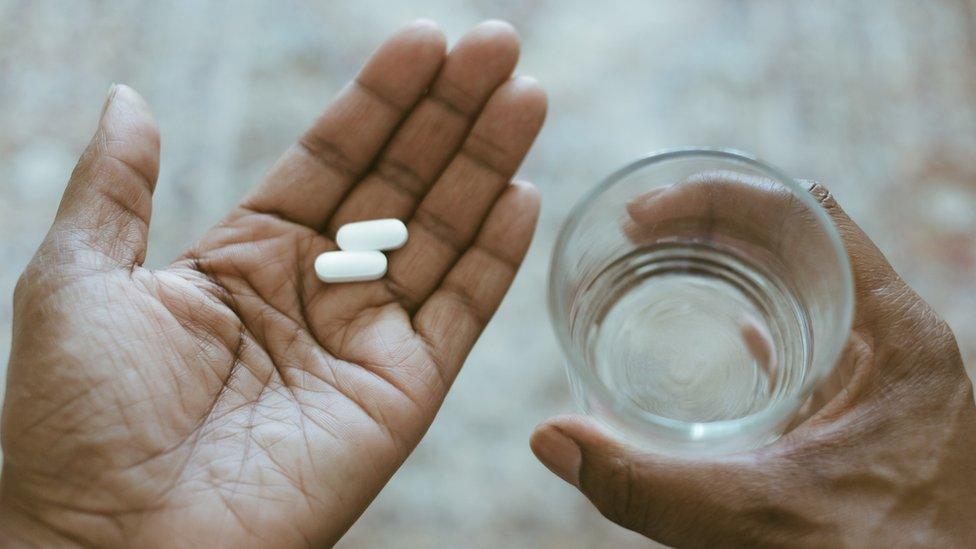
[877, 99]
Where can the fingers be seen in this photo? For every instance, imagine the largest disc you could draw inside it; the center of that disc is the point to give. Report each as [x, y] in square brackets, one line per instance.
[103, 219]
[759, 211]
[678, 502]
[449, 216]
[481, 61]
[900, 321]
[311, 178]
[454, 316]
[870, 268]
[753, 207]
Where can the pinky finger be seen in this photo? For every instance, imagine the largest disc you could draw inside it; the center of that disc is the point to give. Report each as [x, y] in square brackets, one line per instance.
[454, 316]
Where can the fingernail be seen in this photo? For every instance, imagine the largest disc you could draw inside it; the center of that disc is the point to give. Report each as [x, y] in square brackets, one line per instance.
[108, 100]
[559, 453]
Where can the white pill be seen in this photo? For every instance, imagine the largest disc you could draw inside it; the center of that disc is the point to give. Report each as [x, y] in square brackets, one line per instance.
[350, 266]
[378, 234]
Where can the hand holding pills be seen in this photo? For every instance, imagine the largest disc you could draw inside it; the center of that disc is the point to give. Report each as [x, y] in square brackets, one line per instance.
[233, 397]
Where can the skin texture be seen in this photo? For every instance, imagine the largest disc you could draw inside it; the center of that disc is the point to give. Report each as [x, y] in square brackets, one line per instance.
[887, 459]
[232, 399]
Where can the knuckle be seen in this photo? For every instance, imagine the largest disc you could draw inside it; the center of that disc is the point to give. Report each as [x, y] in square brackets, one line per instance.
[821, 194]
[50, 268]
[23, 284]
[942, 329]
[944, 339]
[28, 288]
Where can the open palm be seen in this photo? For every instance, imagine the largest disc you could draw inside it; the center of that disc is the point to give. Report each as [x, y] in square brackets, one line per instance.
[232, 397]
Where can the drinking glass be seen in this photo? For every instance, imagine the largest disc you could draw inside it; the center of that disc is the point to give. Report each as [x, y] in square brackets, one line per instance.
[700, 297]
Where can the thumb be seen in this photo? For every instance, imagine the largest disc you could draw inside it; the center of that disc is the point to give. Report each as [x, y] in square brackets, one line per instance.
[103, 219]
[678, 502]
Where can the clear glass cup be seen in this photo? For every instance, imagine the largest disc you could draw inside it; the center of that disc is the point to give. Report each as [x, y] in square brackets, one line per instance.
[700, 297]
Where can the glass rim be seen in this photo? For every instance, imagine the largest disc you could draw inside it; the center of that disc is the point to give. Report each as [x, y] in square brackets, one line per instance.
[692, 430]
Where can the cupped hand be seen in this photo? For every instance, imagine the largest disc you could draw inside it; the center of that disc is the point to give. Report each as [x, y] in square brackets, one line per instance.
[231, 398]
[887, 460]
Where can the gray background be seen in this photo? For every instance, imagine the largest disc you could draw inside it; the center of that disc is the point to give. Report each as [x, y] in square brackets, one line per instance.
[875, 98]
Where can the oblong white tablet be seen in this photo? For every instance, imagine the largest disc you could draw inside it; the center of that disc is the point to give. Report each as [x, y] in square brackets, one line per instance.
[378, 234]
[350, 266]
